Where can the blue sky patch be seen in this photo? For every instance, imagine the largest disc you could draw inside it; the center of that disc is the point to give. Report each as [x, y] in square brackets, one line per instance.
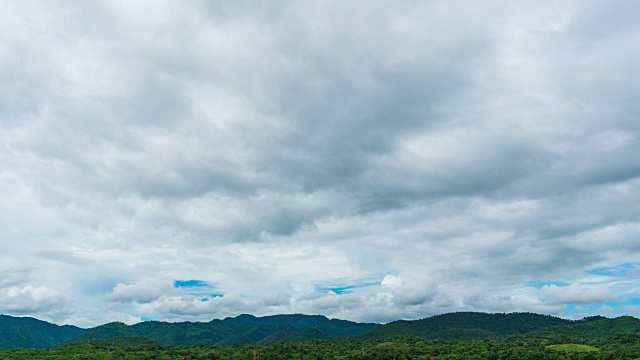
[340, 289]
[625, 302]
[540, 283]
[634, 301]
[346, 286]
[211, 296]
[189, 283]
[582, 310]
[618, 308]
[618, 270]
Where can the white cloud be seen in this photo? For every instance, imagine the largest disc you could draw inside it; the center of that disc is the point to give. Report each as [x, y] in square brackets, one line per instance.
[139, 293]
[14, 276]
[391, 281]
[272, 150]
[29, 299]
[576, 294]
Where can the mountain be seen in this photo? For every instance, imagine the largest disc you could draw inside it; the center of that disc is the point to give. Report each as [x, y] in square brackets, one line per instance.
[23, 332]
[243, 329]
[107, 331]
[16, 332]
[333, 328]
[287, 335]
[467, 325]
[591, 328]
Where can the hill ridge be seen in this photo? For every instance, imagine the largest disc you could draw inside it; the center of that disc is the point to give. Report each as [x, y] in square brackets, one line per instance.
[20, 332]
[238, 330]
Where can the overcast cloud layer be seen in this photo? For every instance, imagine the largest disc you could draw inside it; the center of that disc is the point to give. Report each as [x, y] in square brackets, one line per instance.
[367, 161]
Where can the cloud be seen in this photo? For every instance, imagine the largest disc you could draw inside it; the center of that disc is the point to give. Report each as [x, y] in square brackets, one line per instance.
[14, 276]
[416, 158]
[576, 294]
[29, 299]
[391, 281]
[186, 307]
[138, 293]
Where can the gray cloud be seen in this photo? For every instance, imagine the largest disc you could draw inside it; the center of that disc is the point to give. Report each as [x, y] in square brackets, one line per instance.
[460, 152]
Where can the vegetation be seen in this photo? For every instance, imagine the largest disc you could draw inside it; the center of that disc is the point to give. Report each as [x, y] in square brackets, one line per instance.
[442, 337]
[593, 327]
[244, 329]
[467, 325]
[572, 347]
[401, 347]
[18, 332]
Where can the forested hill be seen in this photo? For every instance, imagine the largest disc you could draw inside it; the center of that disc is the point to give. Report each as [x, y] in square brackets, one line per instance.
[467, 325]
[248, 329]
[243, 329]
[334, 328]
[592, 328]
[20, 332]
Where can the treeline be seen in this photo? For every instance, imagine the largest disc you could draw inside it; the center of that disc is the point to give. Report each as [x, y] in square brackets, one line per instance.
[240, 330]
[468, 326]
[625, 346]
[449, 336]
[246, 329]
[19, 332]
[29, 332]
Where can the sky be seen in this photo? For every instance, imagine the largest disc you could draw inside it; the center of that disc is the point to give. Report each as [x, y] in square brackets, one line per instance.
[368, 161]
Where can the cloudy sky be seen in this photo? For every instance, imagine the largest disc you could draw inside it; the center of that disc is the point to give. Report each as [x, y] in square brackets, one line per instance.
[368, 161]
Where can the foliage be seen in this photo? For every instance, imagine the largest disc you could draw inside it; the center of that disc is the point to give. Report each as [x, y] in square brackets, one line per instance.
[243, 329]
[399, 347]
[19, 332]
[444, 337]
[590, 328]
[467, 325]
[572, 347]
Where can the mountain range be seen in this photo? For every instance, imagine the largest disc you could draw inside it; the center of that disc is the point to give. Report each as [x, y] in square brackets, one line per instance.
[21, 332]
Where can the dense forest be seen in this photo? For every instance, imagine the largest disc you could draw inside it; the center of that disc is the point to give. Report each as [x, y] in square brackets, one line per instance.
[29, 332]
[441, 337]
[244, 329]
[624, 346]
